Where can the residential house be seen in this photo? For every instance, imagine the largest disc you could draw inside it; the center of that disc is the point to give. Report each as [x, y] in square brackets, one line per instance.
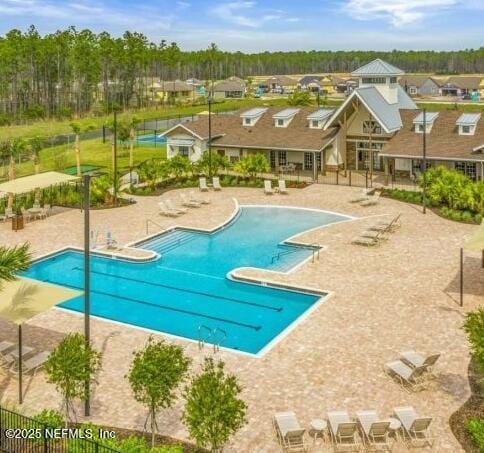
[325, 84]
[173, 91]
[197, 85]
[233, 87]
[378, 128]
[420, 85]
[346, 86]
[461, 86]
[279, 84]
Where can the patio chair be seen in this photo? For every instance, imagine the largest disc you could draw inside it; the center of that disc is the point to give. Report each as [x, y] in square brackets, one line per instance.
[414, 360]
[375, 432]
[361, 197]
[408, 378]
[388, 226]
[282, 187]
[169, 204]
[36, 206]
[26, 214]
[5, 348]
[415, 428]
[185, 201]
[201, 200]
[8, 214]
[371, 201]
[47, 209]
[203, 184]
[268, 190]
[164, 210]
[216, 183]
[342, 430]
[10, 359]
[33, 364]
[289, 432]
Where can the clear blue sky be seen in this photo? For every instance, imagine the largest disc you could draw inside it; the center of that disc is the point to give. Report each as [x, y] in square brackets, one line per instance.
[254, 26]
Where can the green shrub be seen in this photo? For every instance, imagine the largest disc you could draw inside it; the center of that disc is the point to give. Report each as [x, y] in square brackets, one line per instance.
[50, 418]
[474, 329]
[475, 426]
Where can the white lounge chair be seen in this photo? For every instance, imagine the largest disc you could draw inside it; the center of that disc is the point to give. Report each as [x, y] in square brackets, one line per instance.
[8, 214]
[367, 239]
[371, 201]
[387, 226]
[409, 378]
[185, 201]
[415, 428]
[203, 184]
[363, 196]
[202, 199]
[216, 183]
[282, 187]
[375, 431]
[33, 364]
[11, 358]
[415, 360]
[268, 190]
[5, 348]
[169, 204]
[164, 210]
[289, 432]
[343, 430]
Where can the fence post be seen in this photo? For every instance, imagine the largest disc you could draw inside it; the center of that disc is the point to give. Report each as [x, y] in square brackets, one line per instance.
[104, 133]
[366, 179]
[349, 171]
[337, 176]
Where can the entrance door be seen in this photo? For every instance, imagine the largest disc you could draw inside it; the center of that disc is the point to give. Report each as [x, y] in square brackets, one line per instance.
[272, 159]
[308, 161]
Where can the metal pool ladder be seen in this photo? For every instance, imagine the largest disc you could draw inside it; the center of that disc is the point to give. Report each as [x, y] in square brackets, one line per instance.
[205, 333]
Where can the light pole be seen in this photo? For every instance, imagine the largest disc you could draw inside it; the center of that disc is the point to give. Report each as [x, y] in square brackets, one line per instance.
[424, 160]
[115, 159]
[210, 135]
[87, 281]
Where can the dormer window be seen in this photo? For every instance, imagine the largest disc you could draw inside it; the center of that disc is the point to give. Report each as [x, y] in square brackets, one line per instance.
[250, 117]
[284, 117]
[371, 127]
[318, 118]
[418, 122]
[467, 123]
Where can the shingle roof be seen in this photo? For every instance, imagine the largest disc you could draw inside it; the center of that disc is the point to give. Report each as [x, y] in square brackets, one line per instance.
[320, 114]
[281, 80]
[430, 117]
[264, 135]
[468, 119]
[176, 85]
[377, 67]
[443, 141]
[466, 82]
[229, 85]
[416, 80]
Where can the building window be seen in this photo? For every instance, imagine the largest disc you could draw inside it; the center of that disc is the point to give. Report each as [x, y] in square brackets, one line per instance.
[318, 161]
[413, 90]
[282, 158]
[308, 161]
[280, 123]
[374, 80]
[375, 127]
[314, 124]
[417, 166]
[247, 121]
[468, 168]
[364, 157]
[393, 80]
[234, 159]
[272, 159]
[221, 152]
[184, 151]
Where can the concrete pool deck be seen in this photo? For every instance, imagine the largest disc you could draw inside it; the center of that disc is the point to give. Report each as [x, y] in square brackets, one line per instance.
[398, 296]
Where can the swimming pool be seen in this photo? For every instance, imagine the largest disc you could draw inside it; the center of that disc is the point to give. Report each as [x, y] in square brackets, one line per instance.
[150, 139]
[186, 292]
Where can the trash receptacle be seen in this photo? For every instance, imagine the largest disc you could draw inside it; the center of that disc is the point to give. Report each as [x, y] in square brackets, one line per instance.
[17, 222]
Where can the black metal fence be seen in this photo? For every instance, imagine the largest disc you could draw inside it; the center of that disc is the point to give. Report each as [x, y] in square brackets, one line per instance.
[21, 434]
[346, 178]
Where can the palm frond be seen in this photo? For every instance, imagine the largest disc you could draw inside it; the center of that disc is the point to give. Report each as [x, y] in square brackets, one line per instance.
[13, 260]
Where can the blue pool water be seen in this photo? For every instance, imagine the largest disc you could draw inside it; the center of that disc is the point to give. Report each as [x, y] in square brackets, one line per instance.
[150, 139]
[186, 290]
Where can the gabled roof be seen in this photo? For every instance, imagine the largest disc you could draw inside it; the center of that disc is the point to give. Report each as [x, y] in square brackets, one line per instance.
[416, 80]
[377, 67]
[467, 82]
[229, 85]
[254, 112]
[320, 114]
[285, 114]
[281, 80]
[386, 114]
[430, 117]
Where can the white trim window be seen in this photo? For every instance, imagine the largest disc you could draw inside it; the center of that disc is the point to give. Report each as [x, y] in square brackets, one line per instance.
[308, 161]
[282, 157]
[468, 168]
[184, 150]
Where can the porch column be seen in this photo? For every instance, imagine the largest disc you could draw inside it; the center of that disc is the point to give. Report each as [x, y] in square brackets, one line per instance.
[385, 161]
[356, 157]
[322, 162]
[315, 168]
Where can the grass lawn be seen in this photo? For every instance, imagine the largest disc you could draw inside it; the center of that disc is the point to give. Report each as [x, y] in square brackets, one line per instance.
[93, 152]
[49, 128]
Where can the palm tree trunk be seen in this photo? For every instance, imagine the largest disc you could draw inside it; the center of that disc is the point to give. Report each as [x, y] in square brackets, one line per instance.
[131, 146]
[78, 155]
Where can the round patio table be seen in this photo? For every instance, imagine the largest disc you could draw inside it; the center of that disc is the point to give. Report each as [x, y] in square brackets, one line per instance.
[395, 426]
[317, 428]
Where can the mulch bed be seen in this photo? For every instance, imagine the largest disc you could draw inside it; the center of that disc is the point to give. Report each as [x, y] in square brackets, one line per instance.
[472, 408]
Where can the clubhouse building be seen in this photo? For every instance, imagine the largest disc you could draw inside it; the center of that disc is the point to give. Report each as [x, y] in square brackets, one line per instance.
[378, 128]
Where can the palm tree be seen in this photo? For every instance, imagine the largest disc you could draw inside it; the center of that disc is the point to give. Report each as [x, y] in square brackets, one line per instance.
[78, 129]
[13, 260]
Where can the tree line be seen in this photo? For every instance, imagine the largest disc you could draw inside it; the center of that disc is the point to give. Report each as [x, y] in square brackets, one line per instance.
[71, 72]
